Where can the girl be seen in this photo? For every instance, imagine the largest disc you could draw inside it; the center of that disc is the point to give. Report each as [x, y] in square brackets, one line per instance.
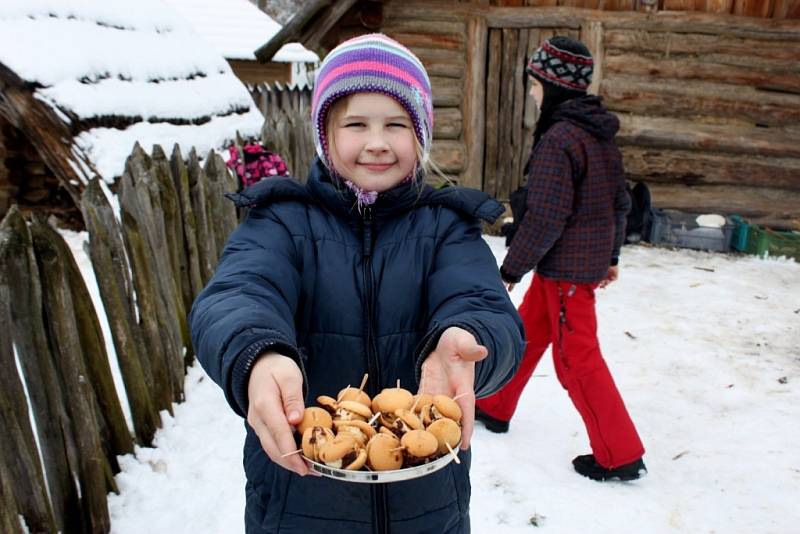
[364, 269]
[571, 234]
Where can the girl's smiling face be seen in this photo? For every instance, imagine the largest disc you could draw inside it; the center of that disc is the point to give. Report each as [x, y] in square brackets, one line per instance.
[372, 141]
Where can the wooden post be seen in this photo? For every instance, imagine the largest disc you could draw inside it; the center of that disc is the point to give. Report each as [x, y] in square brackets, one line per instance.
[492, 110]
[108, 257]
[206, 244]
[116, 437]
[9, 511]
[194, 274]
[156, 341]
[87, 462]
[19, 277]
[474, 102]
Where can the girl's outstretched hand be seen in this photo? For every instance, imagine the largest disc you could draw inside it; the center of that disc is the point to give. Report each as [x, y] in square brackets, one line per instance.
[450, 370]
[275, 392]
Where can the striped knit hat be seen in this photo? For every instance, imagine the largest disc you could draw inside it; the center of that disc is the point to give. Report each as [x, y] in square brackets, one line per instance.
[564, 62]
[373, 63]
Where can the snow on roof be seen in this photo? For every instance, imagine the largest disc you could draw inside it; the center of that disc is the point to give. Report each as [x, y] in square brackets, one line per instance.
[237, 27]
[117, 74]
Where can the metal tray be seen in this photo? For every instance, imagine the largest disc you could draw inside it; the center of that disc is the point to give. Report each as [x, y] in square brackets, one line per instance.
[379, 477]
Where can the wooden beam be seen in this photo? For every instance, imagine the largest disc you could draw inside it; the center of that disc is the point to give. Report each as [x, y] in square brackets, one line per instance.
[290, 31]
[474, 103]
[328, 17]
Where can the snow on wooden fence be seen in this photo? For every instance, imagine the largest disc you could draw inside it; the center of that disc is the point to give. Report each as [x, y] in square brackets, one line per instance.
[287, 124]
[150, 261]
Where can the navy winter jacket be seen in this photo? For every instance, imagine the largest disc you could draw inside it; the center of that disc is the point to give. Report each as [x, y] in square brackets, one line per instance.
[345, 293]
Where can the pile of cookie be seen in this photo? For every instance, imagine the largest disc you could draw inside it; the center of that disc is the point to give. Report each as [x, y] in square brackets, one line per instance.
[396, 429]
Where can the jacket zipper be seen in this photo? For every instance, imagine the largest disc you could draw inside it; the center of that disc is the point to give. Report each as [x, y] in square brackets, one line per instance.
[381, 516]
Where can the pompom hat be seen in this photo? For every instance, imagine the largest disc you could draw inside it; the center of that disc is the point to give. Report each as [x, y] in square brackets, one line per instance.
[372, 63]
[563, 62]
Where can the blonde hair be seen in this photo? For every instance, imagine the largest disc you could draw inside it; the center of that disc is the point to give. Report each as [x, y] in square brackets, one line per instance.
[425, 163]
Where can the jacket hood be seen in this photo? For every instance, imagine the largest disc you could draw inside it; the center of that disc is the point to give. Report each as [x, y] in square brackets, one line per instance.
[589, 114]
[321, 189]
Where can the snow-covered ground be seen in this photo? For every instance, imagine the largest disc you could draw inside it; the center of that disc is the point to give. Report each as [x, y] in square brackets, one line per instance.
[706, 351]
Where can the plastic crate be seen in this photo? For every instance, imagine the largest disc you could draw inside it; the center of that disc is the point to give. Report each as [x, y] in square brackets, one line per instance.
[766, 242]
[679, 229]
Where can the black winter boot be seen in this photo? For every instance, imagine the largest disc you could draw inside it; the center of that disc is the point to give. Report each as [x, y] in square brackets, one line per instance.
[587, 466]
[492, 425]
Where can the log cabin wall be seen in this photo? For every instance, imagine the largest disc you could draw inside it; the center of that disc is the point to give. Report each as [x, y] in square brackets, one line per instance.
[709, 104]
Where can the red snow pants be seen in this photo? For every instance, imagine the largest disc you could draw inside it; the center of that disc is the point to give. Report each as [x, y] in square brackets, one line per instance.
[563, 314]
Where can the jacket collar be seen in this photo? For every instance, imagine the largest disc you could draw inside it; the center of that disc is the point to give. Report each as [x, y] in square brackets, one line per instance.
[322, 189]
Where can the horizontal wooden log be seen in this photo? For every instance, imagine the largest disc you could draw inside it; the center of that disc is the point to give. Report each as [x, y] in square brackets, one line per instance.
[443, 68]
[447, 92]
[447, 123]
[706, 69]
[413, 39]
[425, 10]
[699, 100]
[694, 167]
[449, 155]
[770, 207]
[667, 44]
[421, 25]
[660, 132]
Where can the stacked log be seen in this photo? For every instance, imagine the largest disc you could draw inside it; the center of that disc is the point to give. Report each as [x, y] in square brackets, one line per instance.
[439, 38]
[709, 113]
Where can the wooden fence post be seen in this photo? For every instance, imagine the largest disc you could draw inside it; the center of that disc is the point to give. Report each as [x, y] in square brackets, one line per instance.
[18, 277]
[87, 462]
[145, 206]
[147, 301]
[173, 226]
[9, 511]
[115, 436]
[194, 274]
[223, 211]
[108, 256]
[206, 243]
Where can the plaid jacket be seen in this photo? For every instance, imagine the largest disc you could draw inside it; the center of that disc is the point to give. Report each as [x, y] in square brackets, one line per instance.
[577, 202]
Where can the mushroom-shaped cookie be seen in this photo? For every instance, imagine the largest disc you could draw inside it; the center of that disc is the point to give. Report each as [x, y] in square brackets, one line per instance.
[421, 400]
[419, 446]
[314, 416]
[361, 430]
[447, 432]
[442, 406]
[314, 438]
[354, 394]
[352, 411]
[384, 453]
[390, 400]
[327, 403]
[405, 420]
[343, 452]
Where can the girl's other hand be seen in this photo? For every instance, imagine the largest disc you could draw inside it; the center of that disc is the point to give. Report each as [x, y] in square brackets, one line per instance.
[450, 370]
[611, 276]
[275, 392]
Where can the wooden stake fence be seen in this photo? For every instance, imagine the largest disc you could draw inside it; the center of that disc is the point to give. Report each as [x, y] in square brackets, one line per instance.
[150, 264]
[287, 124]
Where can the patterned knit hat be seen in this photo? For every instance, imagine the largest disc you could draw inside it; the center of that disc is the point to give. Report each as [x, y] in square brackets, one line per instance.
[373, 63]
[563, 62]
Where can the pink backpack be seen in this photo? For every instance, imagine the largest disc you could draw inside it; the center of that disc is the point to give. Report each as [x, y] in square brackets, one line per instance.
[257, 164]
